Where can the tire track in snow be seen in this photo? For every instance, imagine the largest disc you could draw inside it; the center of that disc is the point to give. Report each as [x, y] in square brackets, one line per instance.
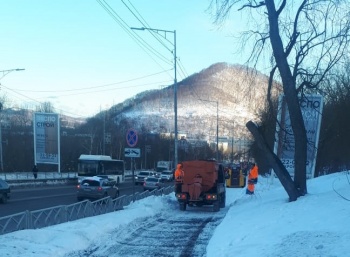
[178, 234]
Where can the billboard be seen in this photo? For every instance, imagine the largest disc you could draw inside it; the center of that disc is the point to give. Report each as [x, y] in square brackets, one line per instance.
[46, 138]
[311, 108]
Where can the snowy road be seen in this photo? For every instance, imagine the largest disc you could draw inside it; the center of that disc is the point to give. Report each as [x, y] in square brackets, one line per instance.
[172, 233]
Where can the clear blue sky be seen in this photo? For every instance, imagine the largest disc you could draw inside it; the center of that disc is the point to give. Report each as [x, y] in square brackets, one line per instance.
[78, 57]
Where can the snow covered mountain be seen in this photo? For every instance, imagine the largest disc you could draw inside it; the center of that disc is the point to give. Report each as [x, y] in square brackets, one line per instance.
[231, 94]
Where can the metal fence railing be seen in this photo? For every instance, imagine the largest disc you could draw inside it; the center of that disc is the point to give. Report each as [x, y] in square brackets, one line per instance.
[22, 179]
[64, 213]
[10, 176]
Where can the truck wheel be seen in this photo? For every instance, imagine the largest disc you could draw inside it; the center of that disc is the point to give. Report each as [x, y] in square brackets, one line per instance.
[182, 206]
[216, 206]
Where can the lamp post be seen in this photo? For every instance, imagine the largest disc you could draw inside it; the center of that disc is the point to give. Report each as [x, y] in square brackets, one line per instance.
[233, 138]
[4, 73]
[175, 83]
[217, 126]
[1, 160]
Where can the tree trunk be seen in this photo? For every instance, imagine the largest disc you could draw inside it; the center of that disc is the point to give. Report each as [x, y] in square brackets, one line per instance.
[290, 91]
[274, 162]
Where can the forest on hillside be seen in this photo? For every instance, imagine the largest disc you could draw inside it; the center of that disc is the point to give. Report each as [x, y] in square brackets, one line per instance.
[105, 134]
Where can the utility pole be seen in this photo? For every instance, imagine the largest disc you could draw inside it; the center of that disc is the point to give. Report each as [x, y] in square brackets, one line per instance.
[104, 132]
[175, 83]
[217, 130]
[233, 136]
[217, 126]
[1, 159]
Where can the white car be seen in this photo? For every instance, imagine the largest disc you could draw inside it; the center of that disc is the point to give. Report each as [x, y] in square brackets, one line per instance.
[140, 178]
[167, 175]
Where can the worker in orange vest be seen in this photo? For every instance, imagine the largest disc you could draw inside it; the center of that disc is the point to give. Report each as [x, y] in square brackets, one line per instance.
[179, 175]
[252, 179]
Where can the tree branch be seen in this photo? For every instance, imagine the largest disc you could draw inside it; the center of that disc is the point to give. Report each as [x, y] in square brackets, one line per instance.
[252, 5]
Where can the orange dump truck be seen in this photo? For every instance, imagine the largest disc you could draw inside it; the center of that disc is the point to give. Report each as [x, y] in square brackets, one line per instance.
[203, 184]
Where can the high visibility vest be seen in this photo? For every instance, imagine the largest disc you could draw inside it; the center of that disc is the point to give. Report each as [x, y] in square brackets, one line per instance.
[253, 173]
[179, 174]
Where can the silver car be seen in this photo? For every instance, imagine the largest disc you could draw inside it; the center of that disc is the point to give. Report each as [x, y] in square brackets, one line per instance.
[94, 188]
[152, 183]
[167, 175]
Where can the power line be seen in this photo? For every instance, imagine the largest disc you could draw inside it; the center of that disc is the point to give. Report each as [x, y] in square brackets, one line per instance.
[142, 43]
[93, 87]
[182, 69]
[145, 46]
[94, 91]
[145, 24]
[111, 89]
[36, 101]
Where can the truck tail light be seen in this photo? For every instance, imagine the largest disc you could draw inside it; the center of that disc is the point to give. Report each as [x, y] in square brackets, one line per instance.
[181, 196]
[211, 197]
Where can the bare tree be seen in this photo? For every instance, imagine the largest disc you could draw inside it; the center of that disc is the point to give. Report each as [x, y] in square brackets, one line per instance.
[46, 107]
[22, 118]
[305, 39]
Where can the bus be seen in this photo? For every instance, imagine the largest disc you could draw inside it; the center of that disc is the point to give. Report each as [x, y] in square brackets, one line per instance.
[100, 165]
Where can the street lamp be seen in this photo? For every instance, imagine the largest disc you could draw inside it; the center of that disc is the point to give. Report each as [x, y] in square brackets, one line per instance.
[233, 136]
[4, 73]
[175, 82]
[217, 126]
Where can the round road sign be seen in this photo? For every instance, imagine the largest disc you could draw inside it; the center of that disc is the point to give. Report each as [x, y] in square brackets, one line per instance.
[131, 137]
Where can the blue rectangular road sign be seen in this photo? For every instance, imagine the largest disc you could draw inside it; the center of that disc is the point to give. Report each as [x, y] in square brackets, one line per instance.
[132, 152]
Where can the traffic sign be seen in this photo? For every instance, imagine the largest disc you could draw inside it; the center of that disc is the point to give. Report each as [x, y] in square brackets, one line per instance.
[132, 152]
[131, 137]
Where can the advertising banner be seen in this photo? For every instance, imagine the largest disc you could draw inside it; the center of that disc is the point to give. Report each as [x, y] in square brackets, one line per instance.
[46, 138]
[311, 108]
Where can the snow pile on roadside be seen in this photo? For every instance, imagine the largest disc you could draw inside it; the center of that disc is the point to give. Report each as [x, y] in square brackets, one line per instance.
[262, 225]
[268, 225]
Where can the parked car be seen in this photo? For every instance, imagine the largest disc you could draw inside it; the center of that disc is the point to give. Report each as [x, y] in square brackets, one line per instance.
[94, 188]
[5, 191]
[140, 178]
[167, 175]
[152, 183]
